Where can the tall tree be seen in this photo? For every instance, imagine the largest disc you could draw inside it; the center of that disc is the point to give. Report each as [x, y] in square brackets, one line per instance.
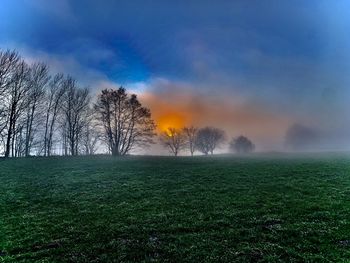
[17, 103]
[208, 139]
[9, 61]
[75, 104]
[38, 79]
[173, 139]
[126, 123]
[91, 133]
[56, 90]
[191, 133]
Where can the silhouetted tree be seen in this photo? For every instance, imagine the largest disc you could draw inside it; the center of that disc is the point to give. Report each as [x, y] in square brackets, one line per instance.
[38, 79]
[74, 105]
[91, 133]
[173, 139]
[17, 102]
[54, 95]
[208, 139]
[241, 144]
[32, 106]
[126, 123]
[191, 133]
[300, 137]
[9, 62]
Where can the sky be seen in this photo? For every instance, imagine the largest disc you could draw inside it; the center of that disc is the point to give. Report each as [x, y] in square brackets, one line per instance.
[249, 67]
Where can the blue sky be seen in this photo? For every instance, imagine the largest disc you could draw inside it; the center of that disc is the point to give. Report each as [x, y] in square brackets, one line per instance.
[288, 58]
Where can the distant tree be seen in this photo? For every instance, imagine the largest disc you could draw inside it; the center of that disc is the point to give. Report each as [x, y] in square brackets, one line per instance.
[300, 137]
[191, 133]
[173, 139]
[208, 139]
[126, 123]
[75, 104]
[241, 144]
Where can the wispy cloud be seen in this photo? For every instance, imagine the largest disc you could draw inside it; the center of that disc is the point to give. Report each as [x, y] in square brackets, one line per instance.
[61, 10]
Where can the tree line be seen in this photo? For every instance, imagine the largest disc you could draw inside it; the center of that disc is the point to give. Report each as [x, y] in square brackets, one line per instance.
[46, 114]
[204, 140]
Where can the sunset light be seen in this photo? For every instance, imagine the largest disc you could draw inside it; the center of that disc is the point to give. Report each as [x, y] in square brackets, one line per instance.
[175, 120]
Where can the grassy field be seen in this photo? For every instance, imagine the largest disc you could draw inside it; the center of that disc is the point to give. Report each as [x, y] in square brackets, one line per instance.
[222, 209]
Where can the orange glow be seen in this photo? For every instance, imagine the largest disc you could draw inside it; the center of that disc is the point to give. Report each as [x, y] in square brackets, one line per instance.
[176, 108]
[166, 112]
[172, 119]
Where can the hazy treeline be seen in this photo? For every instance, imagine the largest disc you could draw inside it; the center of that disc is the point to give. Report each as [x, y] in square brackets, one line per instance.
[204, 140]
[44, 114]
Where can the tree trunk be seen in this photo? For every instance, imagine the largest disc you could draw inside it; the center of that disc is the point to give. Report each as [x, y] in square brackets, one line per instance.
[13, 141]
[9, 135]
[8, 142]
[115, 151]
[46, 131]
[29, 132]
[72, 148]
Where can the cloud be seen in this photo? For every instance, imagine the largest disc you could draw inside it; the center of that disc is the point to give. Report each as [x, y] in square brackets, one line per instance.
[61, 9]
[60, 63]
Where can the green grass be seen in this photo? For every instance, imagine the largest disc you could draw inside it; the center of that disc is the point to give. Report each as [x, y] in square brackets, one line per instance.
[224, 209]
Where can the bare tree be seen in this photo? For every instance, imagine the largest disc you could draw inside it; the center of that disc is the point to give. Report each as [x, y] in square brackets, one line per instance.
[191, 133]
[126, 123]
[208, 139]
[75, 104]
[54, 97]
[19, 142]
[39, 77]
[64, 136]
[173, 139]
[91, 133]
[17, 103]
[9, 61]
[241, 144]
